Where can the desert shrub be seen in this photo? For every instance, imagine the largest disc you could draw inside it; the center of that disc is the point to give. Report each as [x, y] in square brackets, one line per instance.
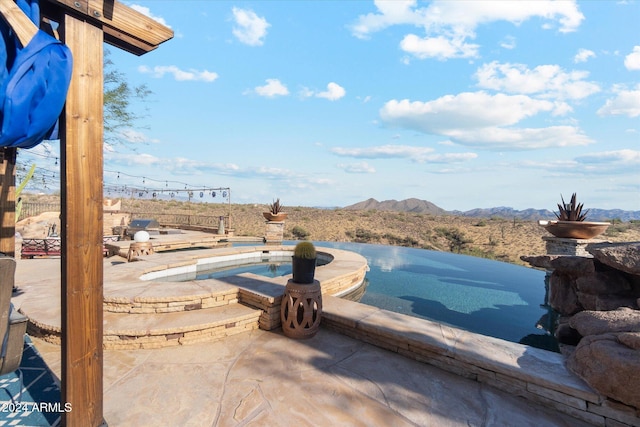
[362, 235]
[401, 241]
[456, 238]
[299, 233]
[617, 228]
[477, 252]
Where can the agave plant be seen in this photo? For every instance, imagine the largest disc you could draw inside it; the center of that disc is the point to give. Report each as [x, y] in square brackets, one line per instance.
[275, 207]
[571, 211]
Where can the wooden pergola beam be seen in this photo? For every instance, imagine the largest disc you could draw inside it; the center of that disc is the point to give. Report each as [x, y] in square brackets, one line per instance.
[123, 27]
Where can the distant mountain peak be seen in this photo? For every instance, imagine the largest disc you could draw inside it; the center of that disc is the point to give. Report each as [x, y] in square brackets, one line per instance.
[407, 205]
[423, 206]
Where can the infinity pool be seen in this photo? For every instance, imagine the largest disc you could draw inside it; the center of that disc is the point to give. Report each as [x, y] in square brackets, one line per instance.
[487, 297]
[483, 296]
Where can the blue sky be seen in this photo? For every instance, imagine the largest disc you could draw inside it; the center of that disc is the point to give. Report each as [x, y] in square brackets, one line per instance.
[466, 104]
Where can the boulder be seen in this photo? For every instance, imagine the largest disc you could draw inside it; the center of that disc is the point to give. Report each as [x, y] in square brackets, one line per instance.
[603, 282]
[601, 322]
[608, 366]
[612, 302]
[562, 295]
[573, 265]
[630, 339]
[624, 257]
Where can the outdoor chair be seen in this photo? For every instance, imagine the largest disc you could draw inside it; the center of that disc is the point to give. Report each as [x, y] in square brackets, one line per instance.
[13, 325]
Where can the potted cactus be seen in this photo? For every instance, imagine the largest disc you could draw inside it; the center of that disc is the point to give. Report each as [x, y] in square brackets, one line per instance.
[301, 307]
[304, 262]
[275, 212]
[571, 222]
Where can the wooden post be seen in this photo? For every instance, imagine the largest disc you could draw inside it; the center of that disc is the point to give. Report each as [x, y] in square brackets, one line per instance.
[7, 201]
[84, 26]
[81, 209]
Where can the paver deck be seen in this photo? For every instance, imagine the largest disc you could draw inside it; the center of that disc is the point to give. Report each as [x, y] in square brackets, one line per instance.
[264, 378]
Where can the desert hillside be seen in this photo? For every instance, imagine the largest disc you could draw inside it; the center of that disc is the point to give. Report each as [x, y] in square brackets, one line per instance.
[496, 238]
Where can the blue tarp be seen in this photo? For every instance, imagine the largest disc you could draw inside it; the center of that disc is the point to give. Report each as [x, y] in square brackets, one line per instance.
[33, 83]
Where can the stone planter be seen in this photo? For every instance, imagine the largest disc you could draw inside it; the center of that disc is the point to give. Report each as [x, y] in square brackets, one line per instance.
[301, 309]
[575, 229]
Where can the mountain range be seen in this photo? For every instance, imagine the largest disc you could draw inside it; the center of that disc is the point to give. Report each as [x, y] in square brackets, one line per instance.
[424, 206]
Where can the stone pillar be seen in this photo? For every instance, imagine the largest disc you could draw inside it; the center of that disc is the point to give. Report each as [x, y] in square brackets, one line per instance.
[274, 232]
[566, 246]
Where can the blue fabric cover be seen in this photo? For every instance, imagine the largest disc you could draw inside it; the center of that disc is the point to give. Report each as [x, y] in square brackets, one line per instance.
[33, 84]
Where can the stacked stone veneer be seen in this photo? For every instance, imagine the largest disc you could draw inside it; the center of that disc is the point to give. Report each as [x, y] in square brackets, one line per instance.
[595, 287]
[141, 311]
[274, 232]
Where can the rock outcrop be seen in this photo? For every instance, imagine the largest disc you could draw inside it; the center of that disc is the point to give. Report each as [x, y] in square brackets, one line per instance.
[598, 299]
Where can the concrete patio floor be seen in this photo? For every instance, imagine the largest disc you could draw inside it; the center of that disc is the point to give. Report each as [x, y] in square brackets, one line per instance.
[263, 378]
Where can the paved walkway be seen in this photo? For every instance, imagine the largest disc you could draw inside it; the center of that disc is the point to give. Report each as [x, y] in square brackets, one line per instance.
[266, 379]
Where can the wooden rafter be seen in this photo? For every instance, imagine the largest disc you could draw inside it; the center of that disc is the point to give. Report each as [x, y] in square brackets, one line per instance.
[123, 27]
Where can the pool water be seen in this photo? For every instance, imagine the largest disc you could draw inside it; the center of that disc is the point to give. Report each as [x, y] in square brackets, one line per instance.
[265, 268]
[270, 266]
[488, 297]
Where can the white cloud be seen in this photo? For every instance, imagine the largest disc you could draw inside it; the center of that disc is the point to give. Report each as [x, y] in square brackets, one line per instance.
[583, 55]
[272, 89]
[449, 24]
[147, 12]
[483, 120]
[625, 103]
[384, 151]
[416, 154]
[547, 81]
[610, 162]
[178, 74]
[134, 136]
[250, 28]
[334, 92]
[390, 13]
[362, 167]
[632, 60]
[509, 42]
[439, 47]
[305, 92]
[468, 109]
[522, 138]
[626, 156]
[139, 159]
